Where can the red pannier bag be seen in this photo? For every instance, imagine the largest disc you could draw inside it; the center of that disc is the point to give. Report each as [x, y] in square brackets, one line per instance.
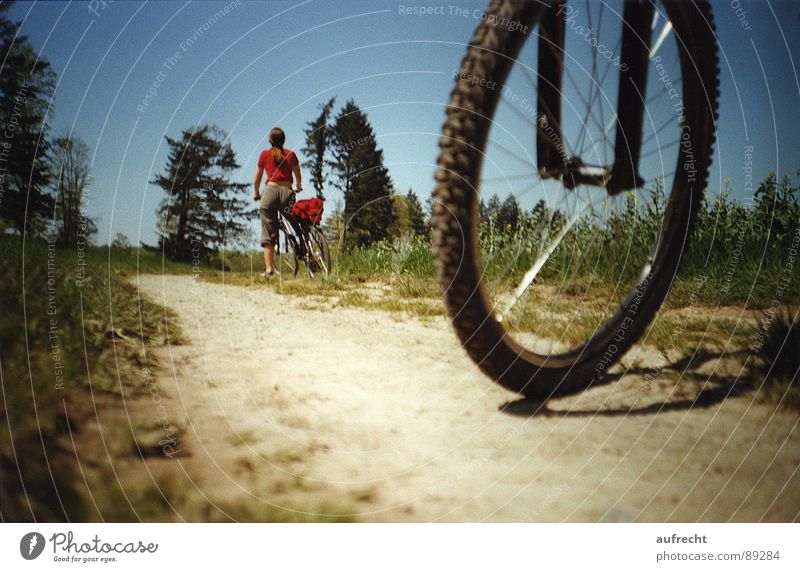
[309, 210]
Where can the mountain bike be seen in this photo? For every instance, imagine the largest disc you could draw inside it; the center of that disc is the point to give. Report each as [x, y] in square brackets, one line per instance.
[301, 239]
[602, 115]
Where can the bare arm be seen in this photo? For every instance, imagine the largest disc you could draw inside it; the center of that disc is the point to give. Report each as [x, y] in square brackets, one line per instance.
[257, 182]
[297, 178]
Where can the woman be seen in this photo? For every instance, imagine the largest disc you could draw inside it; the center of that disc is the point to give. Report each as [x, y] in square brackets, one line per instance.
[280, 164]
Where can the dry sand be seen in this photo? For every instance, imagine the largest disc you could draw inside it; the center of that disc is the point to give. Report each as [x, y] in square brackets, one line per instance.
[382, 417]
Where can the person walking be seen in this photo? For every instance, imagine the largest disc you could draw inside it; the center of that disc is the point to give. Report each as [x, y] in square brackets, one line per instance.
[281, 166]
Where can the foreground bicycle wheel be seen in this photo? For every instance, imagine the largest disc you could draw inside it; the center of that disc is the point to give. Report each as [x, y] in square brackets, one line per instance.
[609, 133]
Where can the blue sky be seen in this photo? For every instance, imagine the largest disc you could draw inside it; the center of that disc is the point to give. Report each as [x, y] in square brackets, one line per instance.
[272, 63]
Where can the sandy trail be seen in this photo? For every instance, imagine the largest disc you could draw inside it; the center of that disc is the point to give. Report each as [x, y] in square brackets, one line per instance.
[383, 417]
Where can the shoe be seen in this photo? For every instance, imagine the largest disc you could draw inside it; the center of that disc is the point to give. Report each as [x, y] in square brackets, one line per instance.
[266, 274]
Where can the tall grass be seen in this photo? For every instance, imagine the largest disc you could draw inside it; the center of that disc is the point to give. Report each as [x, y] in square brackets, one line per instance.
[741, 248]
[407, 255]
[72, 335]
[777, 363]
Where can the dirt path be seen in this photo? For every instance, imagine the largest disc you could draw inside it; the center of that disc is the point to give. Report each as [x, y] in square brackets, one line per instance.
[383, 417]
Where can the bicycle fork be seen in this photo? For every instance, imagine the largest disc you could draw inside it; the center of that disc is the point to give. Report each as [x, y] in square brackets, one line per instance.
[552, 159]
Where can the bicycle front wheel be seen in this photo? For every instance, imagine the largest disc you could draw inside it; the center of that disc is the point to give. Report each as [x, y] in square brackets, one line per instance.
[287, 259]
[596, 123]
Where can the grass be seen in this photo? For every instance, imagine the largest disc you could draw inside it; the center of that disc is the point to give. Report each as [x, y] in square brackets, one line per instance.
[404, 267]
[173, 499]
[777, 347]
[71, 339]
[132, 261]
[741, 251]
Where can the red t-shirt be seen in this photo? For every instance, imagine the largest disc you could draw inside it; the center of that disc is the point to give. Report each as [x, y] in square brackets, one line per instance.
[278, 173]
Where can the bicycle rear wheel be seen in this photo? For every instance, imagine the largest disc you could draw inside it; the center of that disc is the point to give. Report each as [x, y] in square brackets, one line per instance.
[318, 258]
[568, 288]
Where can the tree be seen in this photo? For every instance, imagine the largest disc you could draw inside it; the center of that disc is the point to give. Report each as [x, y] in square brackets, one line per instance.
[318, 136]
[492, 209]
[483, 214]
[26, 87]
[409, 218]
[363, 179]
[120, 241]
[72, 179]
[508, 214]
[400, 221]
[540, 212]
[334, 223]
[204, 207]
[417, 220]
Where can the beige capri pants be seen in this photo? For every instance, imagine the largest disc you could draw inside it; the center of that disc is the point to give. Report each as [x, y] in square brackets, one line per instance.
[274, 197]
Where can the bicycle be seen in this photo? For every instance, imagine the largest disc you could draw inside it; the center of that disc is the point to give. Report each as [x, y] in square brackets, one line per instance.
[303, 241]
[590, 289]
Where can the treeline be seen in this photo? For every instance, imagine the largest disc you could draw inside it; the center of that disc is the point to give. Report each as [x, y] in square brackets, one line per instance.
[769, 218]
[44, 180]
[344, 150]
[205, 207]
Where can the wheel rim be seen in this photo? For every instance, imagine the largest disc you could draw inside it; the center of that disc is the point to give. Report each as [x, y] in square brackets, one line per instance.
[286, 258]
[552, 307]
[318, 256]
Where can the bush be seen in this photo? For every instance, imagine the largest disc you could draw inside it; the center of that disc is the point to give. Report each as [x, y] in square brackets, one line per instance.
[778, 349]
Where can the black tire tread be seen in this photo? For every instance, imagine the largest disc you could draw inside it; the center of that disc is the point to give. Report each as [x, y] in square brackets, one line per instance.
[455, 210]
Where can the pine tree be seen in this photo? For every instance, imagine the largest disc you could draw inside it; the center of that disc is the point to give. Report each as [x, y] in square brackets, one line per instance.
[483, 213]
[26, 87]
[362, 177]
[492, 208]
[204, 207]
[508, 214]
[540, 212]
[417, 221]
[318, 136]
[409, 217]
[333, 223]
[401, 224]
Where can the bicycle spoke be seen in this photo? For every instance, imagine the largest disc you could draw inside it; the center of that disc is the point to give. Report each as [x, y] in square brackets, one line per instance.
[604, 133]
[512, 154]
[508, 178]
[592, 85]
[660, 149]
[530, 275]
[599, 227]
[663, 36]
[580, 95]
[667, 123]
[548, 111]
[656, 97]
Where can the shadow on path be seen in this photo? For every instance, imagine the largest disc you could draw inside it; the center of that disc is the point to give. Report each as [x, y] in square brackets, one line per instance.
[715, 389]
